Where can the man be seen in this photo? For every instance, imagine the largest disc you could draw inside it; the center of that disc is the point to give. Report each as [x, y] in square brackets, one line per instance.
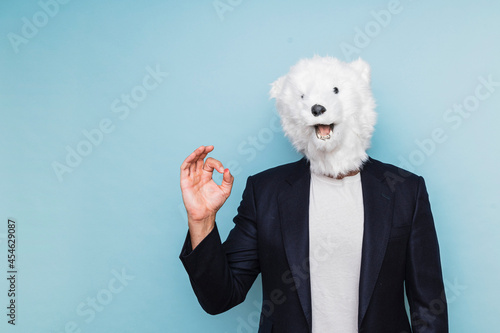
[337, 236]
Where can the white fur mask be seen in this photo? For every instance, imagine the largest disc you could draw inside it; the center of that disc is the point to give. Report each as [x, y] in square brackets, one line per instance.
[328, 112]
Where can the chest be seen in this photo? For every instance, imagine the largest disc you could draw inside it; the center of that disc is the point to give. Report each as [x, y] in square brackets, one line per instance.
[335, 219]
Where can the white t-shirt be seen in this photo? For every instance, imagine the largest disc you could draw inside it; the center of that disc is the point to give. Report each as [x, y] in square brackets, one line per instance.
[335, 238]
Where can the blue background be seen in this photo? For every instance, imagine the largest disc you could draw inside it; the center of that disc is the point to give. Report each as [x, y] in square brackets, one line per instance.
[119, 211]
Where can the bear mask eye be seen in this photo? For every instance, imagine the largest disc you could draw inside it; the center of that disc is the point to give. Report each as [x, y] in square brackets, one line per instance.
[302, 96]
[336, 90]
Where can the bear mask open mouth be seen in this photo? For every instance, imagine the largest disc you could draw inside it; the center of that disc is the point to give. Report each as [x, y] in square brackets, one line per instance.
[324, 132]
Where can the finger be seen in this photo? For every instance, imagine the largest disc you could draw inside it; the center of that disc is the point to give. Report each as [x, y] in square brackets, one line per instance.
[204, 154]
[190, 162]
[227, 181]
[211, 164]
[192, 158]
[200, 161]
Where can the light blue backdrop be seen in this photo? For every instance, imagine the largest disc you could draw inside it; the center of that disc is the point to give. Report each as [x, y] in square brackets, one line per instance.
[102, 100]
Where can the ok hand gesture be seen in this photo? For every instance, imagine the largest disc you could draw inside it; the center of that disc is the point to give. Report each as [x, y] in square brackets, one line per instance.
[201, 195]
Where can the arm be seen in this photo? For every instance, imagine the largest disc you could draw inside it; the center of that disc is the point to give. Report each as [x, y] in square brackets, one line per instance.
[424, 282]
[220, 274]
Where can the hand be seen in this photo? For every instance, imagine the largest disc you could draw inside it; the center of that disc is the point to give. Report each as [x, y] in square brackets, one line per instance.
[201, 195]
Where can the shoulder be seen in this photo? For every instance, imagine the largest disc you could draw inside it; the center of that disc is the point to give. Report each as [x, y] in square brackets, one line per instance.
[284, 169]
[392, 175]
[381, 169]
[283, 173]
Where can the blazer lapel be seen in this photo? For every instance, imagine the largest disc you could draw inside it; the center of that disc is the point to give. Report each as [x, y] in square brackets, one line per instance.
[294, 216]
[378, 202]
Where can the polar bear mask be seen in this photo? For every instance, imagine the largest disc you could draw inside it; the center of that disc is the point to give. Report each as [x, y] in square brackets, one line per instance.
[328, 112]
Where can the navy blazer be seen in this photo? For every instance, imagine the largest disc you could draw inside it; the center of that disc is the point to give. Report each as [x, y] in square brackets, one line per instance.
[271, 236]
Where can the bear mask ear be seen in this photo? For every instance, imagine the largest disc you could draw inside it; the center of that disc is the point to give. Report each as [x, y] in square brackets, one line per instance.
[362, 68]
[276, 87]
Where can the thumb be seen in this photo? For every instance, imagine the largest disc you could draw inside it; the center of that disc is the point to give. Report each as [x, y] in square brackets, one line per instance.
[227, 181]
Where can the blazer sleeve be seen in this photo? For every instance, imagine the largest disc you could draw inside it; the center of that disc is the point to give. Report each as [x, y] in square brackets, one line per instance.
[222, 274]
[424, 282]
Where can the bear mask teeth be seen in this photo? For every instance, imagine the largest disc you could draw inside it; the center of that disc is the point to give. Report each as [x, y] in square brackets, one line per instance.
[324, 132]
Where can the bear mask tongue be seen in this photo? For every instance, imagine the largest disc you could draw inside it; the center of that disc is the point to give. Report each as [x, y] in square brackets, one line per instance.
[323, 132]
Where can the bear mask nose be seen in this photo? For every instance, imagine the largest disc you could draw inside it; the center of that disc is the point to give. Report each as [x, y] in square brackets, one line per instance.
[317, 110]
